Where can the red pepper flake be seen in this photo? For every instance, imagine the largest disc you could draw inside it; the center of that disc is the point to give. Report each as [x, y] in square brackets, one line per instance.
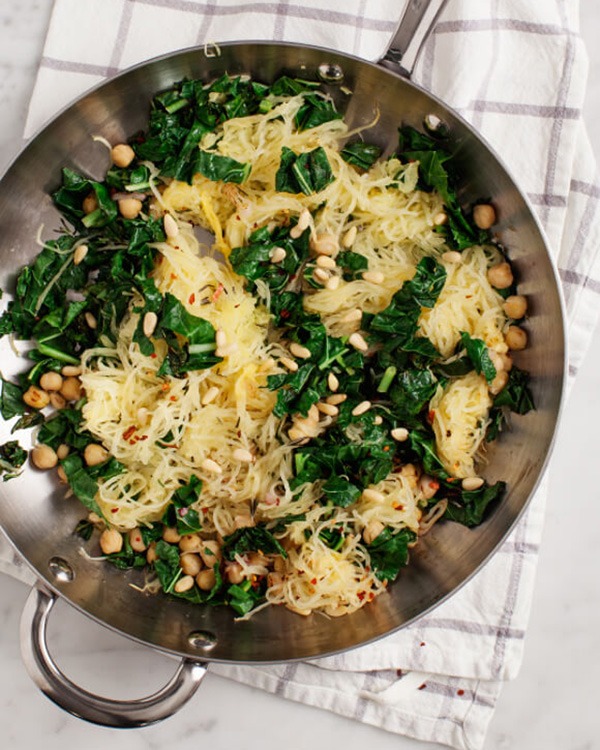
[422, 686]
[129, 432]
[386, 448]
[460, 692]
[371, 596]
[217, 293]
[154, 355]
[399, 673]
[192, 298]
[313, 581]
[422, 643]
[114, 510]
[172, 398]
[361, 595]
[285, 314]
[173, 277]
[398, 506]
[205, 510]
[165, 386]
[182, 512]
[143, 437]
[434, 484]
[237, 216]
[132, 442]
[452, 479]
[431, 416]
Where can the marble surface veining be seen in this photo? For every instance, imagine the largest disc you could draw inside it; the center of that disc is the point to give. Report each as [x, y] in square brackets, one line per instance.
[551, 705]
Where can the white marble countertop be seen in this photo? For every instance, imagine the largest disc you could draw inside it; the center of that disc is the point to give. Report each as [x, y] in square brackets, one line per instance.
[551, 705]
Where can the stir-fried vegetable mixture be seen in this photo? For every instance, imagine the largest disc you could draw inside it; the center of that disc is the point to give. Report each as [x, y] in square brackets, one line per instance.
[278, 418]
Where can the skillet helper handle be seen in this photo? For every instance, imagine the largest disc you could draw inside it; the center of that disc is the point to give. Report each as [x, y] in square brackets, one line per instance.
[79, 702]
[417, 22]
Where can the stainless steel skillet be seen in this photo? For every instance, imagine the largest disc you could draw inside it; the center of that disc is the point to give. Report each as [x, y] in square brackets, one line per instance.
[443, 561]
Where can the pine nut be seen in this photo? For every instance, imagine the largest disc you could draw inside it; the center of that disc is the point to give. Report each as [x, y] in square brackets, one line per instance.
[227, 350]
[440, 219]
[332, 283]
[170, 226]
[452, 256]
[363, 407]
[91, 320]
[122, 155]
[400, 434]
[320, 274]
[372, 495]
[300, 351]
[221, 338]
[185, 583]
[242, 455]
[295, 434]
[324, 244]
[373, 277]
[150, 323]
[71, 371]
[210, 395]
[352, 316]
[313, 413]
[325, 261]
[277, 255]
[302, 225]
[469, 484]
[337, 398]
[212, 466]
[289, 364]
[358, 342]
[90, 203]
[329, 409]
[80, 252]
[378, 419]
[62, 475]
[333, 382]
[349, 237]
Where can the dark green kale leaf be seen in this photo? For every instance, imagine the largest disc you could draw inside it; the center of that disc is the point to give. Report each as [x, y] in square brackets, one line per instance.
[251, 539]
[389, 552]
[516, 394]
[411, 393]
[69, 199]
[340, 491]
[478, 353]
[353, 264]
[11, 400]
[65, 426]
[198, 352]
[315, 111]
[217, 167]
[308, 173]
[471, 507]
[243, 597]
[80, 481]
[362, 155]
[179, 513]
[422, 442]
[12, 457]
[127, 557]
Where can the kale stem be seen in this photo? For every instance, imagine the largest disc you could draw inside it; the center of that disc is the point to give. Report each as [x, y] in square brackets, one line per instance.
[386, 380]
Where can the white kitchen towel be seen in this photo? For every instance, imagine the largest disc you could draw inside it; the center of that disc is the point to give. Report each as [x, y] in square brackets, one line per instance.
[517, 71]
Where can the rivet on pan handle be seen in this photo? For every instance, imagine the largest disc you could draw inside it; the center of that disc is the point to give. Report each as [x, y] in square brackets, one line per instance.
[415, 26]
[79, 702]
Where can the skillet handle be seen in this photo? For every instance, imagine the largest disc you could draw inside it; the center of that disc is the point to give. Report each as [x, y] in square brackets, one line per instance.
[77, 701]
[417, 21]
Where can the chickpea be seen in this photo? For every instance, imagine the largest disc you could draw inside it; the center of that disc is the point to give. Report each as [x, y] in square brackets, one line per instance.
[371, 531]
[57, 401]
[243, 521]
[234, 573]
[428, 486]
[51, 381]
[279, 564]
[515, 306]
[136, 541]
[411, 474]
[500, 276]
[184, 584]
[122, 155]
[190, 543]
[171, 535]
[71, 371]
[484, 216]
[516, 338]
[90, 203]
[62, 451]
[497, 359]
[62, 475]
[43, 457]
[507, 362]
[206, 579]
[94, 454]
[71, 389]
[111, 541]
[190, 564]
[130, 207]
[210, 552]
[36, 397]
[498, 382]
